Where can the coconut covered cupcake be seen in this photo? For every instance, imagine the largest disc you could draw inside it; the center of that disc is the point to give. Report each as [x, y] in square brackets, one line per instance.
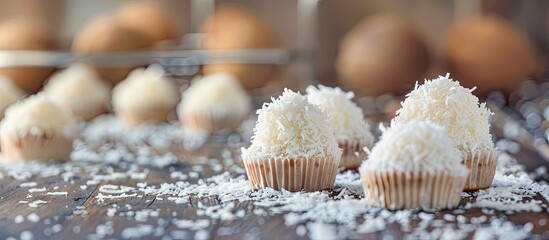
[293, 146]
[444, 102]
[351, 130]
[37, 129]
[214, 102]
[80, 91]
[9, 94]
[414, 165]
[146, 96]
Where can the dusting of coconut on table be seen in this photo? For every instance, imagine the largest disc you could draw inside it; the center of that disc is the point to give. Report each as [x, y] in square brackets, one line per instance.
[156, 181]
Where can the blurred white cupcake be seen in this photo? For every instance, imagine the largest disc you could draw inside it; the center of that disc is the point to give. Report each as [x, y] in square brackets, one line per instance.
[351, 130]
[146, 96]
[80, 91]
[9, 94]
[213, 103]
[37, 129]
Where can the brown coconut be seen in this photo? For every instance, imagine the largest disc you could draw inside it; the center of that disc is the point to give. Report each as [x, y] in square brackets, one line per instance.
[383, 53]
[232, 27]
[105, 35]
[25, 33]
[489, 53]
[151, 19]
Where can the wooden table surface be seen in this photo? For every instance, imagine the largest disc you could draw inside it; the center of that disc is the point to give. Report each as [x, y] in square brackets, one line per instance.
[81, 213]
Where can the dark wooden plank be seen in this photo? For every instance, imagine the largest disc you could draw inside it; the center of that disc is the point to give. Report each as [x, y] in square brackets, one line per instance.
[97, 210]
[67, 211]
[55, 211]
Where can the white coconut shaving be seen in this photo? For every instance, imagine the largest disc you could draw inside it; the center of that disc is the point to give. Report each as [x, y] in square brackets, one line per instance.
[226, 205]
[414, 146]
[224, 201]
[77, 86]
[346, 117]
[292, 128]
[344, 212]
[219, 93]
[9, 94]
[145, 88]
[37, 115]
[445, 102]
[144, 145]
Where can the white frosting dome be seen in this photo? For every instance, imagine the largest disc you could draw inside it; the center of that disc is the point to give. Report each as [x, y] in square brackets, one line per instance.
[292, 128]
[77, 85]
[218, 92]
[414, 146]
[37, 115]
[444, 102]
[9, 93]
[346, 117]
[145, 88]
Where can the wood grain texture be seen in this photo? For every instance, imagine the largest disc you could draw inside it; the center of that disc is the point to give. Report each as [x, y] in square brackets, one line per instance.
[81, 214]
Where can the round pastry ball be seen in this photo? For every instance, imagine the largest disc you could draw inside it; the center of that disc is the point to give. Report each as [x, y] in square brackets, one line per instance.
[146, 96]
[25, 33]
[214, 103]
[79, 91]
[150, 18]
[232, 27]
[489, 53]
[105, 35]
[382, 54]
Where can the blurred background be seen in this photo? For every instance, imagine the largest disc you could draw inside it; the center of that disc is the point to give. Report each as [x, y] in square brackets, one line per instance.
[373, 47]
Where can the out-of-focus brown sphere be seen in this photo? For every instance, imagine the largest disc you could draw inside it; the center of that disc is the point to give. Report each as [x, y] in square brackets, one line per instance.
[24, 33]
[382, 54]
[150, 18]
[105, 35]
[232, 27]
[490, 54]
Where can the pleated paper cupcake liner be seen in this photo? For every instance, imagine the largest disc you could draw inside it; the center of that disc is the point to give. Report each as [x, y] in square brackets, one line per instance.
[211, 122]
[54, 147]
[292, 174]
[482, 168]
[133, 118]
[353, 152]
[408, 190]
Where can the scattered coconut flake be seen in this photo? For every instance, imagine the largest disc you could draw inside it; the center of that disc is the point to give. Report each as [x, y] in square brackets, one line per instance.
[19, 219]
[143, 215]
[33, 217]
[115, 189]
[110, 156]
[36, 203]
[103, 230]
[101, 197]
[139, 231]
[33, 190]
[56, 228]
[57, 193]
[26, 235]
[28, 184]
[201, 234]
